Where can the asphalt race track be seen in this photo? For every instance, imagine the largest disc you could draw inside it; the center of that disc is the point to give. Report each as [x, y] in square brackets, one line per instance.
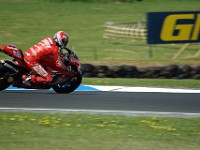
[99, 101]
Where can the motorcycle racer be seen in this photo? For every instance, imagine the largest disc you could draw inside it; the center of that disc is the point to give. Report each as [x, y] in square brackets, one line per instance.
[50, 47]
[59, 69]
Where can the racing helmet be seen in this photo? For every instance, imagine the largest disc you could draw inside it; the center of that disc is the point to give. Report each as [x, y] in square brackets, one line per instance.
[61, 39]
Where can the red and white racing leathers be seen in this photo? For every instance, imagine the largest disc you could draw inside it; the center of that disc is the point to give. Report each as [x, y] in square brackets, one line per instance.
[37, 52]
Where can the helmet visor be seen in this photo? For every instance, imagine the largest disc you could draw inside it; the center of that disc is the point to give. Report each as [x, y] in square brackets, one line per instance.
[65, 42]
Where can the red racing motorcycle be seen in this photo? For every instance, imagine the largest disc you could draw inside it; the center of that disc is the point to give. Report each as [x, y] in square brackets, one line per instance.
[11, 71]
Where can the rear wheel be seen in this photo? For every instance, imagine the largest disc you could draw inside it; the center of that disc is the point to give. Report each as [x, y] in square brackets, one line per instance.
[4, 83]
[72, 85]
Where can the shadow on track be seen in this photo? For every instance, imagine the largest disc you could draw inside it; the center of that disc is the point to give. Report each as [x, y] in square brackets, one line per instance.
[42, 92]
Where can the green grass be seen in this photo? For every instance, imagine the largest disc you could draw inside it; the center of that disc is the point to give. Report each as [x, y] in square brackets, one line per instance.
[24, 23]
[175, 83]
[37, 131]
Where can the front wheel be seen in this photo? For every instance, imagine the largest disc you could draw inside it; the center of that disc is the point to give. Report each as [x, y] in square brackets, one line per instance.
[71, 86]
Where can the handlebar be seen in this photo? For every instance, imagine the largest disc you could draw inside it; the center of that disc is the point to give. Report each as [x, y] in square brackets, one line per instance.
[68, 50]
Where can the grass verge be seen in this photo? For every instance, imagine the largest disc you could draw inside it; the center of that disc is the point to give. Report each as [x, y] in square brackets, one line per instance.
[37, 131]
[174, 83]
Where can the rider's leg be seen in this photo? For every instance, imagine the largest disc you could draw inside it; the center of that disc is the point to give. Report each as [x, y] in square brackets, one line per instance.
[44, 76]
[33, 64]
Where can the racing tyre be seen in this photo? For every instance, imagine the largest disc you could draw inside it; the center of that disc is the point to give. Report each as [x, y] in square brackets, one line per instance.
[72, 85]
[3, 82]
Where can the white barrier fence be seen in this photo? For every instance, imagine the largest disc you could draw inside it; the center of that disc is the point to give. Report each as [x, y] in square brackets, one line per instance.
[134, 30]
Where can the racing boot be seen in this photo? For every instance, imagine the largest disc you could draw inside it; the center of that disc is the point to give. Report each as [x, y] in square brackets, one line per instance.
[27, 80]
